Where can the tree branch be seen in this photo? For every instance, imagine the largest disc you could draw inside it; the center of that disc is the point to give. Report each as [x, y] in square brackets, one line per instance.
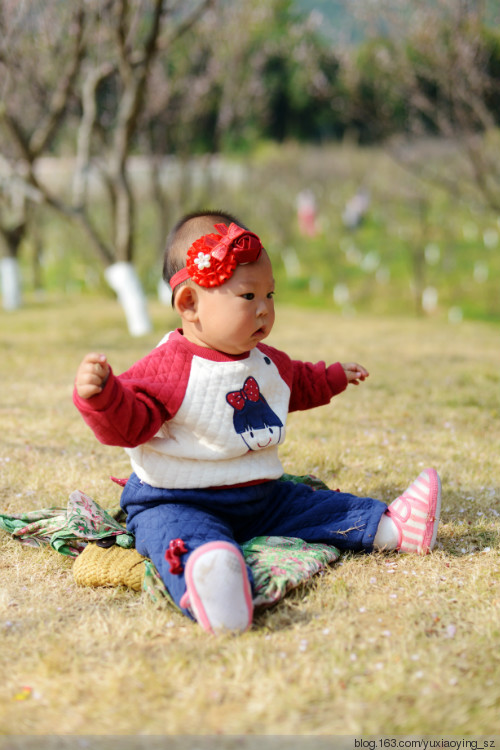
[43, 134]
[188, 23]
[85, 129]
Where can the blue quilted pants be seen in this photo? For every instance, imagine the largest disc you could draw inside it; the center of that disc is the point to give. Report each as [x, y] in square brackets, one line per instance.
[157, 516]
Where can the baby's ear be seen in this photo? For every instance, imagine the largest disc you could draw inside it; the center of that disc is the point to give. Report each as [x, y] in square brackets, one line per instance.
[186, 303]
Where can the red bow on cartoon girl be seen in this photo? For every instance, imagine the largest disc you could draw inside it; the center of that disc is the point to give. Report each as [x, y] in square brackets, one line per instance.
[249, 392]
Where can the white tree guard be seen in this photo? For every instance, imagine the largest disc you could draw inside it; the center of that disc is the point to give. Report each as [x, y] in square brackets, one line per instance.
[164, 293]
[10, 283]
[123, 279]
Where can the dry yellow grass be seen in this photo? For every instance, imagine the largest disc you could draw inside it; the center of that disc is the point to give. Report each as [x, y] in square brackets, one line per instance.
[378, 645]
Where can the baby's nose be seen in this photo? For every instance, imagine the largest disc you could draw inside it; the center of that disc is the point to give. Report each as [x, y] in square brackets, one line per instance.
[262, 309]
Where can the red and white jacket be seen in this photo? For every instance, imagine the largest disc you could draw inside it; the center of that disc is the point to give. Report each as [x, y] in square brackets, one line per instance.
[191, 417]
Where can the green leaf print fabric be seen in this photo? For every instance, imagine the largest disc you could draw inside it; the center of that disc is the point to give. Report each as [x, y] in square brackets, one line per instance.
[281, 563]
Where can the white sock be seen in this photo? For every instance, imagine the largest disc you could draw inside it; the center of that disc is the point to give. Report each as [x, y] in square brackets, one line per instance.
[387, 536]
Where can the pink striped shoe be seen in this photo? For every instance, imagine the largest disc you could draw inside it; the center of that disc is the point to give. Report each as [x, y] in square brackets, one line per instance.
[416, 513]
[217, 588]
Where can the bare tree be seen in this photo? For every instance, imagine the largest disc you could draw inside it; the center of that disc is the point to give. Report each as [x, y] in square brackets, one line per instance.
[34, 100]
[435, 59]
[424, 81]
[128, 37]
[115, 48]
[125, 71]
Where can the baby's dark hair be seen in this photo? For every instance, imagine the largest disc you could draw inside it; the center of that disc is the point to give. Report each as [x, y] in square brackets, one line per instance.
[189, 228]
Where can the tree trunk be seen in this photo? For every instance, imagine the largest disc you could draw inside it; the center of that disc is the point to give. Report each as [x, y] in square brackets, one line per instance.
[122, 278]
[11, 283]
[10, 274]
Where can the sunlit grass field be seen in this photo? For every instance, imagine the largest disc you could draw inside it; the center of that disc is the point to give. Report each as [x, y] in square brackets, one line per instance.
[377, 645]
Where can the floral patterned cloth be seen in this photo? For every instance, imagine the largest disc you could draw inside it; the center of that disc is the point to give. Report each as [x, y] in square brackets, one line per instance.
[281, 563]
[67, 530]
[278, 564]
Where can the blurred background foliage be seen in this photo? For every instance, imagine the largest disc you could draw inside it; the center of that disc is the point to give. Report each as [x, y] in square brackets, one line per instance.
[361, 140]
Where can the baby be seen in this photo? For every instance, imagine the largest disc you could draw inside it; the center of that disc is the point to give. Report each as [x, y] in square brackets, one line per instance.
[202, 417]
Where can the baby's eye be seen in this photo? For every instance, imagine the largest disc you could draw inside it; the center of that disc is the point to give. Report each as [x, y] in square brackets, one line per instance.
[271, 295]
[248, 295]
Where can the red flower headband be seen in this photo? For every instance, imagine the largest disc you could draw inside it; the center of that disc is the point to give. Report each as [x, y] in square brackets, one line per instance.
[211, 259]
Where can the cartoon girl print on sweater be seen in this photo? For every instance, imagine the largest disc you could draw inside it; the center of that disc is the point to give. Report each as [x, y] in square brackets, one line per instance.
[253, 418]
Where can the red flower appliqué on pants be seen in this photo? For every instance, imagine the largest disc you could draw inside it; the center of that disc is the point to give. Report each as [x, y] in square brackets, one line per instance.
[176, 548]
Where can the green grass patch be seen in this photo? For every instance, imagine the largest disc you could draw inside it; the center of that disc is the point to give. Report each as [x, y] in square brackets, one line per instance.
[378, 645]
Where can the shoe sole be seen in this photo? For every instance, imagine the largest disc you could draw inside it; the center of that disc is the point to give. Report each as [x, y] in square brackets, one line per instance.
[218, 588]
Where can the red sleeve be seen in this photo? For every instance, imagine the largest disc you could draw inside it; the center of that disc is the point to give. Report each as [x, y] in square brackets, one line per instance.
[310, 384]
[132, 407]
[315, 384]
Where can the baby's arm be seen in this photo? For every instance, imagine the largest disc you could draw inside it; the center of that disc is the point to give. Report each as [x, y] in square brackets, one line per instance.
[126, 410]
[91, 375]
[354, 372]
[313, 385]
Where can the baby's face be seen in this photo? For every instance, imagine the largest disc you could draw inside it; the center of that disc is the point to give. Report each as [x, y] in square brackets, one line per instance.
[234, 317]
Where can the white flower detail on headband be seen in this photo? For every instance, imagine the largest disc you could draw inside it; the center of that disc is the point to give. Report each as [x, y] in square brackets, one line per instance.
[202, 261]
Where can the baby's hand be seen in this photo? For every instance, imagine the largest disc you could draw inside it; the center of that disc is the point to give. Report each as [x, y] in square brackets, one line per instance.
[92, 374]
[354, 373]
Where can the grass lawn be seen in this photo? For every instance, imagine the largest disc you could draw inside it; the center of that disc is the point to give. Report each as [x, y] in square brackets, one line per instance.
[378, 645]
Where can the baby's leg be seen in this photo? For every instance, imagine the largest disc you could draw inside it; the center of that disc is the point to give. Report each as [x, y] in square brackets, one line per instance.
[349, 522]
[196, 556]
[338, 518]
